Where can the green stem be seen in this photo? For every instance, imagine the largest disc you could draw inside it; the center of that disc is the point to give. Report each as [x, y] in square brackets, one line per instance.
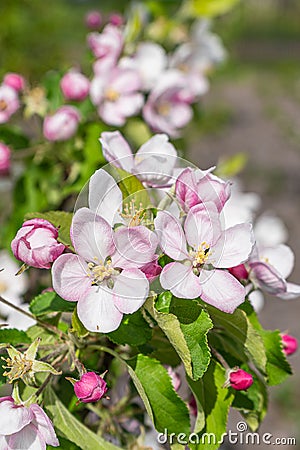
[102, 348]
[168, 199]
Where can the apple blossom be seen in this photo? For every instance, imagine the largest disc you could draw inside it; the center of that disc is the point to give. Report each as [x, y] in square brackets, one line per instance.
[194, 187]
[290, 344]
[270, 266]
[4, 158]
[149, 60]
[36, 244]
[116, 19]
[106, 46]
[15, 81]
[168, 108]
[240, 380]
[9, 102]
[153, 163]
[104, 277]
[239, 272]
[62, 125]
[24, 427]
[197, 249]
[93, 20]
[115, 93]
[75, 86]
[90, 388]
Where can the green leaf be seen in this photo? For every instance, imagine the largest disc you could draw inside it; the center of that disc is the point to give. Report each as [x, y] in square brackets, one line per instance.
[13, 336]
[209, 8]
[213, 403]
[131, 187]
[277, 367]
[60, 219]
[231, 166]
[70, 428]
[134, 330]
[37, 331]
[49, 302]
[238, 336]
[186, 326]
[77, 325]
[162, 403]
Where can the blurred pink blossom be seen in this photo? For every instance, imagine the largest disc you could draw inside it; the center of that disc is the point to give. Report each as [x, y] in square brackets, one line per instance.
[61, 125]
[75, 86]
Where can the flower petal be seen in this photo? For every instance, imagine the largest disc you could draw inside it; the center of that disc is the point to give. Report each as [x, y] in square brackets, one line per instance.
[98, 312]
[202, 224]
[180, 280]
[281, 257]
[233, 247]
[116, 150]
[221, 290]
[130, 290]
[267, 278]
[69, 277]
[292, 291]
[105, 196]
[257, 300]
[13, 417]
[171, 236]
[92, 236]
[44, 425]
[155, 160]
[28, 438]
[135, 246]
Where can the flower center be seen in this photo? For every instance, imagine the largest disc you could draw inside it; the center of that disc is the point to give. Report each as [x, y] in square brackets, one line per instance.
[101, 271]
[133, 215]
[17, 367]
[3, 105]
[164, 109]
[3, 287]
[112, 95]
[200, 256]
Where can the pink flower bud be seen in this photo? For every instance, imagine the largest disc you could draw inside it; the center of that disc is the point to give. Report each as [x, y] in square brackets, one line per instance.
[15, 81]
[175, 378]
[93, 20]
[75, 86]
[4, 159]
[151, 270]
[9, 102]
[290, 344]
[62, 125]
[90, 388]
[240, 380]
[116, 19]
[192, 405]
[239, 272]
[36, 244]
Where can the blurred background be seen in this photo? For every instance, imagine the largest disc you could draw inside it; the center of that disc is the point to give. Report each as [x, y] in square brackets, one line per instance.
[253, 106]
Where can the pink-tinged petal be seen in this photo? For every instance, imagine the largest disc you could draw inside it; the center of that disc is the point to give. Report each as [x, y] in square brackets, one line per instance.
[180, 115]
[186, 189]
[4, 443]
[13, 417]
[126, 81]
[91, 235]
[44, 425]
[28, 438]
[116, 150]
[281, 257]
[180, 280]
[98, 312]
[155, 160]
[257, 300]
[135, 246]
[213, 189]
[131, 289]
[267, 278]
[202, 224]
[105, 196]
[130, 104]
[221, 290]
[292, 291]
[97, 89]
[70, 278]
[233, 247]
[171, 236]
[151, 270]
[110, 113]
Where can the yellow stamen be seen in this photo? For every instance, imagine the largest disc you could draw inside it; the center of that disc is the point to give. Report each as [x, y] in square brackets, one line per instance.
[3, 105]
[164, 109]
[112, 95]
[200, 256]
[17, 367]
